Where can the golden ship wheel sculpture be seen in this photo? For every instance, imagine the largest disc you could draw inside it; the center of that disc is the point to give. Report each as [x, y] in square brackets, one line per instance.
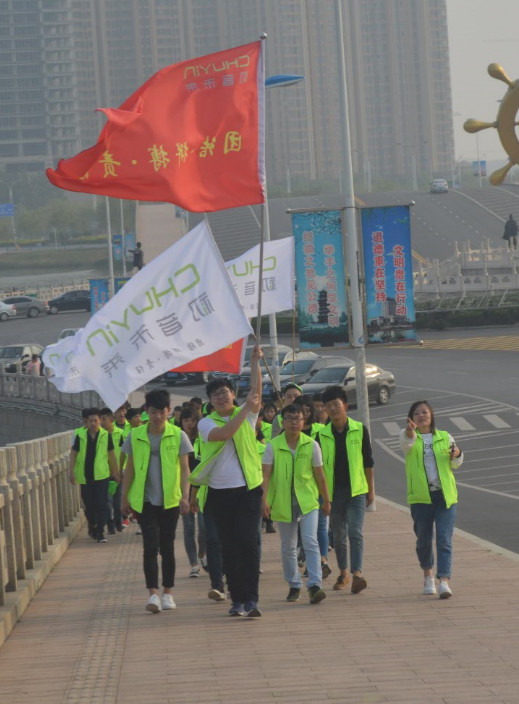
[505, 123]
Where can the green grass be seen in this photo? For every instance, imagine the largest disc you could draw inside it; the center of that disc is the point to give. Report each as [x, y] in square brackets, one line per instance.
[49, 260]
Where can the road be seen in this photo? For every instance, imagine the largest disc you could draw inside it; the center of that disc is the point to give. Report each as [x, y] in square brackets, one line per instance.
[471, 378]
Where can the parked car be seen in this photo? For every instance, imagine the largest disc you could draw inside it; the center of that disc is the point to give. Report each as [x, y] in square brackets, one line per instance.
[172, 378]
[300, 371]
[439, 185]
[11, 355]
[26, 305]
[381, 384]
[67, 332]
[71, 300]
[6, 311]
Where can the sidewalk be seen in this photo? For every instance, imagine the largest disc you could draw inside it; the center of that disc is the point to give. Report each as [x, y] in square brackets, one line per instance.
[86, 638]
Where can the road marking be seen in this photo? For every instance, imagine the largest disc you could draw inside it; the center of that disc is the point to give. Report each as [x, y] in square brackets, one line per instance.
[496, 421]
[461, 423]
[392, 428]
[505, 343]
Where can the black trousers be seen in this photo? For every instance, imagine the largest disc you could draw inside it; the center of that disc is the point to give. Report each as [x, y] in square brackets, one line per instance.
[95, 497]
[158, 526]
[236, 513]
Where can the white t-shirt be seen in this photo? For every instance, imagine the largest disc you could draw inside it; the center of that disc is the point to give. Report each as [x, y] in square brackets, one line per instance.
[429, 460]
[227, 472]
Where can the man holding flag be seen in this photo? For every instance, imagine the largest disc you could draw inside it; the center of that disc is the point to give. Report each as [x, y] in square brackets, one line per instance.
[231, 466]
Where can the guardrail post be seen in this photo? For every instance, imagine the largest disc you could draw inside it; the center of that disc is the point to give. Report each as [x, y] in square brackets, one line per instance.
[22, 452]
[34, 498]
[49, 522]
[41, 495]
[11, 580]
[18, 522]
[55, 471]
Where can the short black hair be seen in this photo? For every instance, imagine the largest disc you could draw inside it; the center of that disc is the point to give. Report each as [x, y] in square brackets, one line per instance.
[178, 408]
[91, 412]
[105, 411]
[85, 413]
[332, 392]
[133, 412]
[197, 400]
[219, 383]
[158, 398]
[318, 396]
[291, 408]
[188, 413]
[306, 400]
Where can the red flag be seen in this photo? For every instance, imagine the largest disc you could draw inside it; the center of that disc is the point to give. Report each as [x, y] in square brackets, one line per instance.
[191, 135]
[229, 360]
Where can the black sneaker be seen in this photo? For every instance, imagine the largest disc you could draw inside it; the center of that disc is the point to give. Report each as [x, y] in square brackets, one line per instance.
[293, 594]
[111, 530]
[251, 610]
[269, 527]
[326, 569]
[102, 539]
[316, 594]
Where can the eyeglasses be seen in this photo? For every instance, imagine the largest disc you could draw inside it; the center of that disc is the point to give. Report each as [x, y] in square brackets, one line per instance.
[292, 419]
[221, 392]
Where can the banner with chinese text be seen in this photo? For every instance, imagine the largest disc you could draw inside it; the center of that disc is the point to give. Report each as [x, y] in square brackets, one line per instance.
[388, 266]
[99, 294]
[278, 277]
[179, 307]
[192, 135]
[321, 286]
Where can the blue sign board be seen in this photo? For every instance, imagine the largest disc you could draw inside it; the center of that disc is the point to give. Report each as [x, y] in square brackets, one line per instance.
[321, 286]
[388, 266]
[99, 294]
[6, 210]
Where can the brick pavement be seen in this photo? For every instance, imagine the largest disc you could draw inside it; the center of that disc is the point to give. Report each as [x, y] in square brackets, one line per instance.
[86, 637]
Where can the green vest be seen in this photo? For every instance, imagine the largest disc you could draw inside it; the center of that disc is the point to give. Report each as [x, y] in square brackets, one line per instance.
[246, 448]
[316, 427]
[125, 430]
[288, 471]
[169, 458]
[266, 429]
[417, 483]
[261, 447]
[359, 483]
[117, 434]
[101, 466]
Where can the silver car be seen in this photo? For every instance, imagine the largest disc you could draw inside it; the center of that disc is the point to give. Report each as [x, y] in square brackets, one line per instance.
[27, 305]
[6, 311]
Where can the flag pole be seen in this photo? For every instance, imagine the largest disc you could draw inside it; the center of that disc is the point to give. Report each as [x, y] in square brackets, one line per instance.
[123, 238]
[111, 283]
[265, 237]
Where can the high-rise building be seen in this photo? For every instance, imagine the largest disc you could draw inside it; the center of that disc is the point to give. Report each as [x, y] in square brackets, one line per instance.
[60, 59]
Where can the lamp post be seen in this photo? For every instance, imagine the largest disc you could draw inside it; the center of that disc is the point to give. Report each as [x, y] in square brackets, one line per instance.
[11, 201]
[280, 81]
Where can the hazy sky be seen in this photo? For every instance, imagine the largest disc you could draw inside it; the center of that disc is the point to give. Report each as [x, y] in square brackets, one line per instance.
[481, 32]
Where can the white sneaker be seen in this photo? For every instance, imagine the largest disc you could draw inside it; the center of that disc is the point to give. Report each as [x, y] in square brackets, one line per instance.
[153, 604]
[195, 571]
[429, 585]
[444, 589]
[168, 602]
[216, 595]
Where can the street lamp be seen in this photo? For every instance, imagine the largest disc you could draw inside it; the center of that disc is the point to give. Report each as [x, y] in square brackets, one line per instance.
[280, 81]
[11, 201]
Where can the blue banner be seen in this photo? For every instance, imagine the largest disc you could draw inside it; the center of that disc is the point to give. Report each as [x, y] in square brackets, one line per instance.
[130, 240]
[388, 266]
[321, 286]
[99, 294]
[117, 247]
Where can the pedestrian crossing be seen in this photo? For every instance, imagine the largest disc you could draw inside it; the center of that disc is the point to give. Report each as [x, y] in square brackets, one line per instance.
[478, 418]
[507, 343]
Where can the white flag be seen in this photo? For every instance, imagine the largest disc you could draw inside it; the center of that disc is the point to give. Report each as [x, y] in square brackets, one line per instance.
[181, 306]
[278, 277]
[59, 358]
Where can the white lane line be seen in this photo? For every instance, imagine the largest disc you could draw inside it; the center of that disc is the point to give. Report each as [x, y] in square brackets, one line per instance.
[461, 423]
[392, 428]
[496, 421]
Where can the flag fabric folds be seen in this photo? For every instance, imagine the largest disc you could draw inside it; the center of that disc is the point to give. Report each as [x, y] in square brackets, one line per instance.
[192, 135]
[179, 307]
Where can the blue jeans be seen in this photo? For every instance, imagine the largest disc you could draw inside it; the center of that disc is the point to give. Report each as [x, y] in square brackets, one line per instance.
[288, 534]
[426, 517]
[189, 537]
[347, 519]
[322, 531]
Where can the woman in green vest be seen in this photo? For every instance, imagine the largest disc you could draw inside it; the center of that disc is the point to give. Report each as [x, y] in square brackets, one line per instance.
[430, 457]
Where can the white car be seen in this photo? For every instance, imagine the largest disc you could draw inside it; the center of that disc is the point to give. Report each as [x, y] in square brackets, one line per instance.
[439, 185]
[6, 311]
[67, 332]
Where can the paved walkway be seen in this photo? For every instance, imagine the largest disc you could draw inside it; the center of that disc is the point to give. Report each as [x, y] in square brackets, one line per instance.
[86, 637]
